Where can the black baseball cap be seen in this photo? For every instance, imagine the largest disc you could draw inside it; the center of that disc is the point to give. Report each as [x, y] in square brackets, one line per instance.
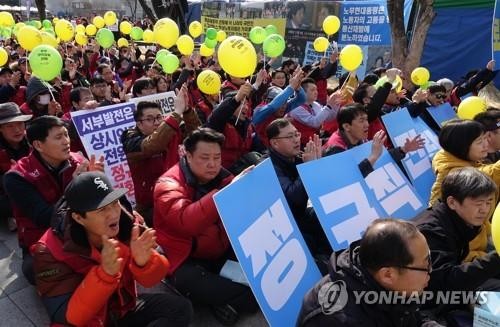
[91, 191]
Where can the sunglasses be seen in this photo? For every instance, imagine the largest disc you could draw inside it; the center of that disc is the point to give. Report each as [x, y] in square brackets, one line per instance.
[440, 96]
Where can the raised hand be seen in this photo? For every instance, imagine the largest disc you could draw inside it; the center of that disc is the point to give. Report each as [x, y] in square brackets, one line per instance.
[296, 79]
[335, 99]
[414, 144]
[181, 100]
[142, 246]
[54, 108]
[244, 91]
[377, 146]
[110, 256]
[96, 165]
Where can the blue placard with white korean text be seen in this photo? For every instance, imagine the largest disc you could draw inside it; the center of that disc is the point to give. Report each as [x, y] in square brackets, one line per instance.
[268, 243]
[347, 203]
[418, 164]
[441, 114]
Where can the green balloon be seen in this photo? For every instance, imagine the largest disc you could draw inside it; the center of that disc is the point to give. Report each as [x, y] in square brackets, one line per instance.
[161, 56]
[171, 64]
[50, 30]
[257, 35]
[46, 23]
[105, 38]
[210, 43]
[37, 24]
[271, 29]
[274, 45]
[211, 33]
[136, 33]
[45, 62]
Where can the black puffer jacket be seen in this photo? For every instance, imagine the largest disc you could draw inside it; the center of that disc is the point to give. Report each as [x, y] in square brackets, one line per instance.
[348, 274]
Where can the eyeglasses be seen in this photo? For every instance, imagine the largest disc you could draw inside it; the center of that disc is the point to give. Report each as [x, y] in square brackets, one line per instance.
[427, 270]
[440, 96]
[150, 120]
[289, 137]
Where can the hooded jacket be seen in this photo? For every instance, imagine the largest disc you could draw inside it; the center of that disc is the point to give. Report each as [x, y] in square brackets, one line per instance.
[347, 272]
[442, 164]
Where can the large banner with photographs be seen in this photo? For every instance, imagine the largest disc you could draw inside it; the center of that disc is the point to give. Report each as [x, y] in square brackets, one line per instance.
[364, 23]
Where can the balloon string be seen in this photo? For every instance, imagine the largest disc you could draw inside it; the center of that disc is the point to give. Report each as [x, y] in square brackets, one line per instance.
[241, 109]
[49, 88]
[347, 79]
[27, 64]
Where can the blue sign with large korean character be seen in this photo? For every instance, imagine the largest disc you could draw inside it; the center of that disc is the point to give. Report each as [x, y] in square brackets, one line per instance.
[394, 193]
[441, 114]
[268, 243]
[346, 203]
[418, 164]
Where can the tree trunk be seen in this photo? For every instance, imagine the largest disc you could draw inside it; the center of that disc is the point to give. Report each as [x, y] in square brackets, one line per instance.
[148, 11]
[40, 5]
[407, 56]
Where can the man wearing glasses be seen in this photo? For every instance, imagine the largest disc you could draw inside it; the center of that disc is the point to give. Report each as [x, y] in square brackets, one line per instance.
[285, 154]
[392, 259]
[152, 146]
[449, 226]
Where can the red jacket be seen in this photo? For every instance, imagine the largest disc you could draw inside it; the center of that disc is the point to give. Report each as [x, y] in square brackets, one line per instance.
[234, 145]
[34, 172]
[336, 140]
[260, 128]
[64, 268]
[185, 217]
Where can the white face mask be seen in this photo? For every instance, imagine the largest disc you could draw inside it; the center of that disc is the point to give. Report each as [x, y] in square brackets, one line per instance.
[44, 99]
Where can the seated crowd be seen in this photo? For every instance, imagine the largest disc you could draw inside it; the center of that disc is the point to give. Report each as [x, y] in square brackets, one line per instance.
[85, 247]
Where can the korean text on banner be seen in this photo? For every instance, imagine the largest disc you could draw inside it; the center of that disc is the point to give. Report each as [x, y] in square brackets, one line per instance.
[165, 100]
[100, 131]
[418, 164]
[495, 33]
[347, 203]
[268, 243]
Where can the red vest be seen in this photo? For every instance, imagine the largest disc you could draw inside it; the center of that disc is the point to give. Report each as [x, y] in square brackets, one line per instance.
[376, 126]
[234, 145]
[336, 140]
[82, 264]
[260, 128]
[34, 172]
[305, 131]
[321, 86]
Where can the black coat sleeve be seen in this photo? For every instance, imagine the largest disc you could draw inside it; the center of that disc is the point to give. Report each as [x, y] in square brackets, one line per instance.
[221, 115]
[374, 108]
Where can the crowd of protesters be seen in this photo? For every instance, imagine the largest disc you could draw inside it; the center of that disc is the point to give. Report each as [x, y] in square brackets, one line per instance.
[85, 247]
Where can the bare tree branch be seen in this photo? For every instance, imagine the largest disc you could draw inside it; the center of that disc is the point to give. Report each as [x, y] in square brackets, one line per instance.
[40, 5]
[148, 11]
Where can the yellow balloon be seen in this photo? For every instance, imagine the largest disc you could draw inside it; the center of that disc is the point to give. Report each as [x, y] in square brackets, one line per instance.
[351, 57]
[420, 76]
[65, 30]
[125, 27]
[195, 29]
[185, 45]
[495, 229]
[80, 29]
[166, 32]
[48, 39]
[206, 51]
[98, 21]
[6, 19]
[209, 82]
[4, 57]
[331, 25]
[29, 37]
[110, 18]
[321, 44]
[81, 39]
[55, 20]
[17, 27]
[148, 36]
[122, 42]
[237, 56]
[90, 30]
[470, 107]
[221, 36]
